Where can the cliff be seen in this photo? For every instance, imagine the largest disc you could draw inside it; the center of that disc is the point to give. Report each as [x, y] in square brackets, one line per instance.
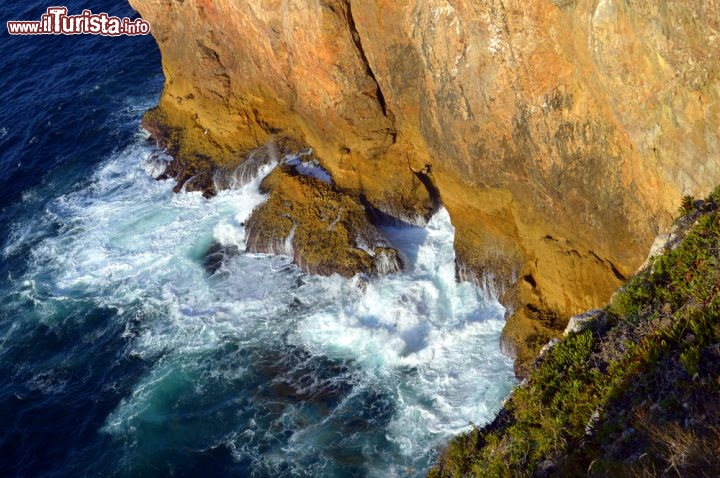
[560, 134]
[632, 390]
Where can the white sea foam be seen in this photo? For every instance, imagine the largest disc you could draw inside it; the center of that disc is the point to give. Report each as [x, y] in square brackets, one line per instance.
[309, 168]
[435, 339]
[425, 342]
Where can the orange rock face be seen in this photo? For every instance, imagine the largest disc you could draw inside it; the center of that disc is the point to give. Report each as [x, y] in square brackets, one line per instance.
[561, 133]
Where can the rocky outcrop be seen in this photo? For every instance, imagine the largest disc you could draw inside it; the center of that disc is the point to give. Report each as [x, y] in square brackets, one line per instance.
[322, 229]
[631, 389]
[561, 134]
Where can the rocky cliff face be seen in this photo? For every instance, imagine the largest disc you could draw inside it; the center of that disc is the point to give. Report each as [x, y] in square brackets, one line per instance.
[561, 134]
[631, 390]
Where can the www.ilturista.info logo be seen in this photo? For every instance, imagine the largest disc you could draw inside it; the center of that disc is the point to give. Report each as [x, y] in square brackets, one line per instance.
[57, 22]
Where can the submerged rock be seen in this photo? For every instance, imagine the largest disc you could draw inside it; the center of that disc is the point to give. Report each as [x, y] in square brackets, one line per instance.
[216, 255]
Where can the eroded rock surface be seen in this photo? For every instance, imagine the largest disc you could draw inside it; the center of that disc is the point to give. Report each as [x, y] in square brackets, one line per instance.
[325, 230]
[561, 134]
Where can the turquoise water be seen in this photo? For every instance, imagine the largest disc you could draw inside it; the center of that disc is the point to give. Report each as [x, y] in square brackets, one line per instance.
[123, 354]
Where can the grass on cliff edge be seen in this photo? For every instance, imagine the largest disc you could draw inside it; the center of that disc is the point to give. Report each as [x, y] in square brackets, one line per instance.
[637, 394]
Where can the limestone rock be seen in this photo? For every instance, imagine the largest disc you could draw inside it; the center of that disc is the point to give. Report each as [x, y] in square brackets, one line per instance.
[561, 134]
[324, 230]
[590, 320]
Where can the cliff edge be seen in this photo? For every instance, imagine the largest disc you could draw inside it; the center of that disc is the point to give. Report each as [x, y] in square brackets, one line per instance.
[560, 134]
[632, 390]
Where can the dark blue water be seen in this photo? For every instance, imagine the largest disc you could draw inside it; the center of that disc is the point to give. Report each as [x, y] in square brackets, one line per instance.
[66, 103]
[122, 355]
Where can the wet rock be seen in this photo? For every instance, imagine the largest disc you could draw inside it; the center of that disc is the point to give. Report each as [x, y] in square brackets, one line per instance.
[234, 176]
[216, 255]
[549, 148]
[157, 163]
[323, 229]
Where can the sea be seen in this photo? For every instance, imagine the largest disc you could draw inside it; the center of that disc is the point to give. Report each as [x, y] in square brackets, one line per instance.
[123, 353]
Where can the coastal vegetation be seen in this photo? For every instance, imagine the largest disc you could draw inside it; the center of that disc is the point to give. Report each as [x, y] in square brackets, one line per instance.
[635, 391]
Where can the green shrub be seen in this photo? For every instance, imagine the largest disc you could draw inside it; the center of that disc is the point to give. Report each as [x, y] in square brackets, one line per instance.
[643, 374]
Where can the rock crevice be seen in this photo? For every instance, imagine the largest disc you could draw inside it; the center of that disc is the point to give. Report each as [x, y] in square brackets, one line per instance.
[361, 51]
